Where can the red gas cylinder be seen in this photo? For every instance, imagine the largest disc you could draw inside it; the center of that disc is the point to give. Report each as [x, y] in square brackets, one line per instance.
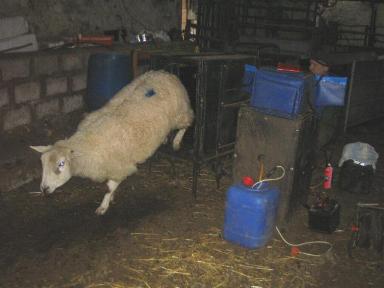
[328, 174]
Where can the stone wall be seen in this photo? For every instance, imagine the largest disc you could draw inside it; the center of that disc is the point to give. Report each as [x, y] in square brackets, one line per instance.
[53, 18]
[349, 13]
[38, 85]
[357, 14]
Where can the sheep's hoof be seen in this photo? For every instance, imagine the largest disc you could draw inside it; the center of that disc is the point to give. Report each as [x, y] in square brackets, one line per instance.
[101, 210]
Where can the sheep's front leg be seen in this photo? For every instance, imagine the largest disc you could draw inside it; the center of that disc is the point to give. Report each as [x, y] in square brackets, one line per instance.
[108, 197]
[177, 140]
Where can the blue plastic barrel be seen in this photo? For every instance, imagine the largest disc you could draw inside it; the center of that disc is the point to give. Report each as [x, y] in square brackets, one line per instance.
[107, 74]
[250, 214]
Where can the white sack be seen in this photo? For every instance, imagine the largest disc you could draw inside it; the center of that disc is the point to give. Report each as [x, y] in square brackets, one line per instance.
[21, 42]
[13, 26]
[362, 153]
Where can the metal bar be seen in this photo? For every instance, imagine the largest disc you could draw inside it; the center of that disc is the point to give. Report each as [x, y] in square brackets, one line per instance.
[215, 157]
[282, 27]
[372, 26]
[350, 88]
[304, 21]
[234, 104]
[200, 121]
[353, 31]
[227, 145]
[219, 120]
[352, 25]
[210, 158]
[286, 8]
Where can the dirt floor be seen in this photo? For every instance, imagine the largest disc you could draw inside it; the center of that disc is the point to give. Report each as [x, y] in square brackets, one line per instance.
[157, 235]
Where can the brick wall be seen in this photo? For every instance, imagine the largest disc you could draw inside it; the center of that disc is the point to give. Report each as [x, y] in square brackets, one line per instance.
[43, 84]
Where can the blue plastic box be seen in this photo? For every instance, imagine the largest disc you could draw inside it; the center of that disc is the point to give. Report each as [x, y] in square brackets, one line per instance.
[330, 91]
[250, 214]
[279, 93]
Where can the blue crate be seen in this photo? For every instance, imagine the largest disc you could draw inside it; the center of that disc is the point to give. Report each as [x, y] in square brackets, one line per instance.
[279, 93]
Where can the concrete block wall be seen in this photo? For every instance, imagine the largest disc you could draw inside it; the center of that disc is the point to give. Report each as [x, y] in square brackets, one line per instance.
[43, 84]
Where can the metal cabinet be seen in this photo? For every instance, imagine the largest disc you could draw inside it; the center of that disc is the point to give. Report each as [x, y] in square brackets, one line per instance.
[216, 89]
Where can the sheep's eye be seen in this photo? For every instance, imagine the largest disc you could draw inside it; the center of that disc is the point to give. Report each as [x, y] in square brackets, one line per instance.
[61, 165]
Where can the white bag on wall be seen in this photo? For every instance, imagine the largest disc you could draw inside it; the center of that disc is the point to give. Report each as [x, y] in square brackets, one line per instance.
[22, 43]
[361, 153]
[13, 26]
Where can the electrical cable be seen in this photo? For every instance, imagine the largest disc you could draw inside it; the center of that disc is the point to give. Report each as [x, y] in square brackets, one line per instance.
[306, 243]
[270, 179]
[277, 229]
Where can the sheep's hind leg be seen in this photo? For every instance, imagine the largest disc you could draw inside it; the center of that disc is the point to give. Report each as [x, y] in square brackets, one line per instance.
[108, 197]
[177, 140]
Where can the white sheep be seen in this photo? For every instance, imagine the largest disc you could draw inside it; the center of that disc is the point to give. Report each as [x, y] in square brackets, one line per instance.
[110, 142]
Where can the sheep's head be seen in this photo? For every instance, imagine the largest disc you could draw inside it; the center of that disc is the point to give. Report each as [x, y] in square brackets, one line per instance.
[56, 167]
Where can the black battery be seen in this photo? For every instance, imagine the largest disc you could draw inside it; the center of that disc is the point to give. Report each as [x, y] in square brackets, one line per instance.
[324, 218]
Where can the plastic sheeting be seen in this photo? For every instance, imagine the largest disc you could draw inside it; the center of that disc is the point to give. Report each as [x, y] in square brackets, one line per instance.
[330, 91]
[12, 27]
[22, 43]
[361, 153]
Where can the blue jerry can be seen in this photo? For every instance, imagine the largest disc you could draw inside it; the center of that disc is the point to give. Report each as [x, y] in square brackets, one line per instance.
[250, 214]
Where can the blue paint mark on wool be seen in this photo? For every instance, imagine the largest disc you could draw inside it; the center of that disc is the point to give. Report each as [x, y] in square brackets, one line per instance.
[150, 93]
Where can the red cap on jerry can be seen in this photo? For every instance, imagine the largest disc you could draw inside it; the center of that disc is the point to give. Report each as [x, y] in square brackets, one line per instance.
[248, 181]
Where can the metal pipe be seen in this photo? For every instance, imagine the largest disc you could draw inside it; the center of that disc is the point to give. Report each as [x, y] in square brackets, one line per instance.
[372, 26]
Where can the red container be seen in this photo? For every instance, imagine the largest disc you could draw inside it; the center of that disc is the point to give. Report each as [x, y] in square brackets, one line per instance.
[288, 68]
[106, 40]
[328, 174]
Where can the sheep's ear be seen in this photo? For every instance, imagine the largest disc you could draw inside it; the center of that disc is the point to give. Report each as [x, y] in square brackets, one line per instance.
[41, 149]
